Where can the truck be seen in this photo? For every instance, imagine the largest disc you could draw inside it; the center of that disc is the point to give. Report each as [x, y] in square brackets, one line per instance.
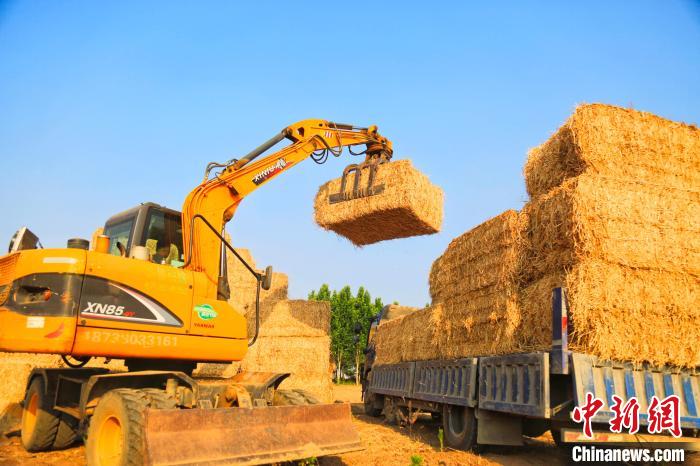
[499, 399]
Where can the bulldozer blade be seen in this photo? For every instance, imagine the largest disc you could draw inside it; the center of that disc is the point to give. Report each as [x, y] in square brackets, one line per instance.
[248, 435]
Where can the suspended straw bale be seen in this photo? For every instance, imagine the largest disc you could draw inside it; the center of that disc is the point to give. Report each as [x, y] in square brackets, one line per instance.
[623, 222]
[620, 143]
[410, 205]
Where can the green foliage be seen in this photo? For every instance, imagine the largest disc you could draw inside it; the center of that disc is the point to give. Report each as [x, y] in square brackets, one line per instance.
[416, 460]
[313, 461]
[441, 438]
[346, 311]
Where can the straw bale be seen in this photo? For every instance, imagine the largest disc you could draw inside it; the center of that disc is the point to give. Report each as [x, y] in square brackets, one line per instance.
[392, 311]
[621, 313]
[293, 337]
[409, 206]
[243, 285]
[484, 256]
[305, 357]
[620, 143]
[407, 338]
[622, 222]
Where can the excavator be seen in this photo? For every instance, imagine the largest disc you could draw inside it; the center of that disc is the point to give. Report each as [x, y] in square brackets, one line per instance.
[152, 290]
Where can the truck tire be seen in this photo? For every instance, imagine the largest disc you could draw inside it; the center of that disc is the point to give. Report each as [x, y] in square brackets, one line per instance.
[459, 424]
[116, 435]
[370, 404]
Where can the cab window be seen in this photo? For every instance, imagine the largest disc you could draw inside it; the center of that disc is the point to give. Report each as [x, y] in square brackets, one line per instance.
[163, 238]
[119, 233]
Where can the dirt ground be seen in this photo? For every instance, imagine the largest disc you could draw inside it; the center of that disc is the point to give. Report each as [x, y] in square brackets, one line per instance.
[384, 444]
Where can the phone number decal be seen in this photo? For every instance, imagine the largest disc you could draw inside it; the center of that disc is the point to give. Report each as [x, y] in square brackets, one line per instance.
[132, 339]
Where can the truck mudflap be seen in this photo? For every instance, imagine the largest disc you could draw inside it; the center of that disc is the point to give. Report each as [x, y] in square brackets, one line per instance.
[248, 435]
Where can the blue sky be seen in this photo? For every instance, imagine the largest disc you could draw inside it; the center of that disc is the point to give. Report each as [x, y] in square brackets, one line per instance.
[104, 105]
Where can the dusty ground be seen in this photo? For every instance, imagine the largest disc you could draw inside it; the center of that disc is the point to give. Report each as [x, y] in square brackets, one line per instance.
[384, 445]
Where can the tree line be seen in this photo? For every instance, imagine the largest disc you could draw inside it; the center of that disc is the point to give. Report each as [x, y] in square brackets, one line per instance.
[348, 310]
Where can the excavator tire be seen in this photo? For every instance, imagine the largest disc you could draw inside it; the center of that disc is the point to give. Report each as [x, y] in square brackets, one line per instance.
[295, 397]
[39, 421]
[116, 435]
[310, 399]
[67, 433]
[158, 399]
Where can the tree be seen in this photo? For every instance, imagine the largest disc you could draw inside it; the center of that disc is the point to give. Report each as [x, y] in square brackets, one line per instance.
[346, 311]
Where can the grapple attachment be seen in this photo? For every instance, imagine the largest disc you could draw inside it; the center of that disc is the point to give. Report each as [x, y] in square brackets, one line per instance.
[358, 191]
[248, 435]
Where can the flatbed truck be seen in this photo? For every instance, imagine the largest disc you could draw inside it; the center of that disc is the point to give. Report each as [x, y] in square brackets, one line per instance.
[497, 400]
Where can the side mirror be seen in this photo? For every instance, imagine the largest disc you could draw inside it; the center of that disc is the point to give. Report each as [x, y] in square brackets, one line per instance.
[267, 278]
[358, 328]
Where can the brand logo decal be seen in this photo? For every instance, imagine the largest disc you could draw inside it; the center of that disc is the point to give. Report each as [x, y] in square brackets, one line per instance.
[270, 171]
[106, 309]
[205, 312]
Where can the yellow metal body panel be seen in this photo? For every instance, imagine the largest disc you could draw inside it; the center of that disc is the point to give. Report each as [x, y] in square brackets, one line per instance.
[117, 343]
[170, 286]
[209, 330]
[38, 334]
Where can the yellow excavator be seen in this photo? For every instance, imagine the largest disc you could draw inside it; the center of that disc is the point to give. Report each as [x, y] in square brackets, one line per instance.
[152, 290]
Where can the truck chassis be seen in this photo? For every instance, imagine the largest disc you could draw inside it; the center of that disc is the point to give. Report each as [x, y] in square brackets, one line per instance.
[496, 400]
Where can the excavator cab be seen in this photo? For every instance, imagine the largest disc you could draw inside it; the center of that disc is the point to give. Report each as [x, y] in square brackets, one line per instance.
[148, 225]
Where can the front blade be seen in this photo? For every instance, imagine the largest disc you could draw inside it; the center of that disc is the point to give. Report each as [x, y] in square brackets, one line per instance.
[248, 436]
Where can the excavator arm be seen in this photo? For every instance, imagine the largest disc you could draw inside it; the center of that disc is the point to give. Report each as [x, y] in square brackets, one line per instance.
[217, 198]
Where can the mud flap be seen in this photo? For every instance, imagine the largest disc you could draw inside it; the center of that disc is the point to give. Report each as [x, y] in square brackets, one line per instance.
[248, 435]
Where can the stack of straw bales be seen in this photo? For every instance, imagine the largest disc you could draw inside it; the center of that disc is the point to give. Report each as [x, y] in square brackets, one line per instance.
[293, 336]
[614, 217]
[410, 205]
[475, 311]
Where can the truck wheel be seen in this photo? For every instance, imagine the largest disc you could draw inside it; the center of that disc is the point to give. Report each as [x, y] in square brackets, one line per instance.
[370, 401]
[116, 434]
[460, 426]
[39, 421]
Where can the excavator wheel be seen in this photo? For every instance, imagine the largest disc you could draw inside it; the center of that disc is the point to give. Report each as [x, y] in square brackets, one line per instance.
[294, 397]
[44, 428]
[67, 433]
[158, 399]
[116, 435]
